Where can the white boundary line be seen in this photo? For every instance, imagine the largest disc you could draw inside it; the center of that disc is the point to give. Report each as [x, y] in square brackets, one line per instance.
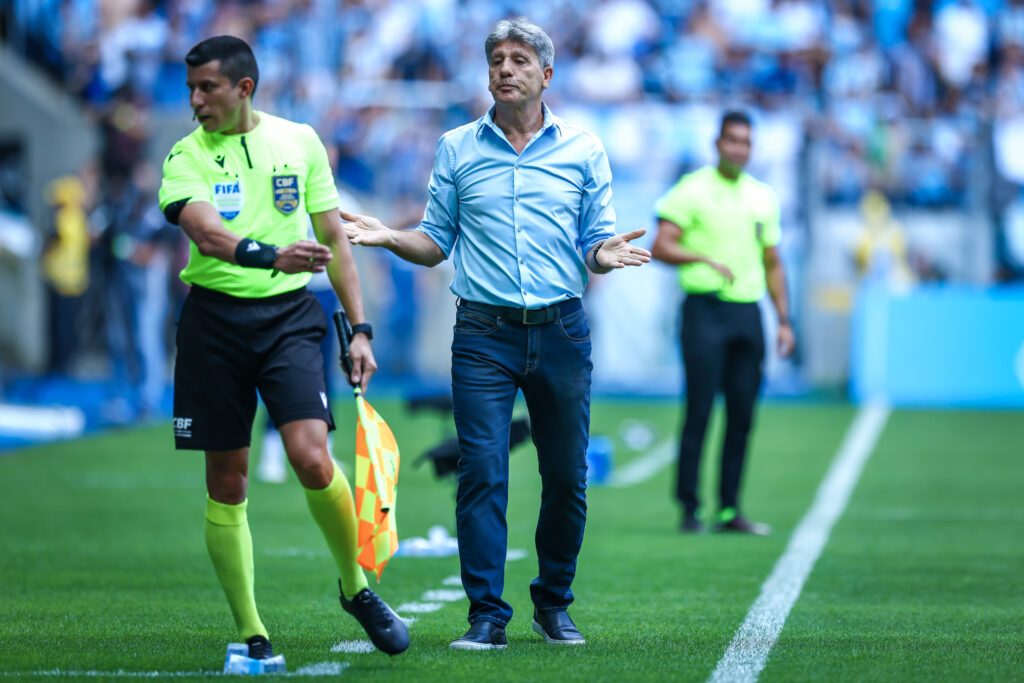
[748, 652]
[643, 468]
[321, 669]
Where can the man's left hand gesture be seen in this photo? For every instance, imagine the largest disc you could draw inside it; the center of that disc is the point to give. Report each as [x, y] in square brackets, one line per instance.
[617, 252]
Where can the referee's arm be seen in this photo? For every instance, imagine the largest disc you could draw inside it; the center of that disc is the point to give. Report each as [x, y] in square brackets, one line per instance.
[667, 248]
[775, 279]
[342, 268]
[345, 279]
[204, 226]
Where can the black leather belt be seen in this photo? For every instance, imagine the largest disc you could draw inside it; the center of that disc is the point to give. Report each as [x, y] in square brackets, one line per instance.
[526, 316]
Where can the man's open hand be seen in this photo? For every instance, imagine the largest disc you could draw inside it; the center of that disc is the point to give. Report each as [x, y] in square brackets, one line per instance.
[365, 230]
[617, 252]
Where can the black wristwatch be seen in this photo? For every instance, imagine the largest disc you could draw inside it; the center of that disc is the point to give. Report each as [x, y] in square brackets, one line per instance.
[363, 328]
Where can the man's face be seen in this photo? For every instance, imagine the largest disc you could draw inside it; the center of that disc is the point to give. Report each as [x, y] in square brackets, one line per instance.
[734, 146]
[515, 73]
[217, 103]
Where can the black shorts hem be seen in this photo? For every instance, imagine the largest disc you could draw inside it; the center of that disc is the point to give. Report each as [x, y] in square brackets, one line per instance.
[298, 415]
[190, 445]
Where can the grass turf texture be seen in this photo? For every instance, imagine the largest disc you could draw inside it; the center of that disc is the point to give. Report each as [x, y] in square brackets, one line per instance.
[104, 568]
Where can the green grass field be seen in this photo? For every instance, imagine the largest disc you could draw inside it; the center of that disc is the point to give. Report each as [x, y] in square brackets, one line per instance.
[104, 572]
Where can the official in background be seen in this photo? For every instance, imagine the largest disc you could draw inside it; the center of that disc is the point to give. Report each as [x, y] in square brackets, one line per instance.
[240, 186]
[521, 202]
[721, 227]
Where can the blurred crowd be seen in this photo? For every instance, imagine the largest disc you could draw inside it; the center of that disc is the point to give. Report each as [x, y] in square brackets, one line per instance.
[898, 89]
[900, 98]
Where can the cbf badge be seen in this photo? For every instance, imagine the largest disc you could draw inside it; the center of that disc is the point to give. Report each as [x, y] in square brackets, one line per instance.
[286, 193]
[227, 197]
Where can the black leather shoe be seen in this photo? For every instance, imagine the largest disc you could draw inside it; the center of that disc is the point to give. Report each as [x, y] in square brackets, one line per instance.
[387, 632]
[691, 525]
[482, 635]
[259, 648]
[557, 628]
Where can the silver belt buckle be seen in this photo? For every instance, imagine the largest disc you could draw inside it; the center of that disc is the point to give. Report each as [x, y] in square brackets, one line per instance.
[525, 316]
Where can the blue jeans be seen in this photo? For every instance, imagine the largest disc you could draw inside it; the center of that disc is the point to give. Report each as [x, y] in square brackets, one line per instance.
[493, 357]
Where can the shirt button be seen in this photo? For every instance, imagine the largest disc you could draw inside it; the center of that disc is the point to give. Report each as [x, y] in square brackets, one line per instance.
[517, 198]
[521, 261]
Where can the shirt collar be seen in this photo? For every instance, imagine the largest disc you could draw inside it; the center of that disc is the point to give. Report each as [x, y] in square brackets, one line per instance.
[550, 121]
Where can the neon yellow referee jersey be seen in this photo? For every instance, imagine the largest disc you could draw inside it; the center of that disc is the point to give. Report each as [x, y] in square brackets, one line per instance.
[729, 221]
[262, 183]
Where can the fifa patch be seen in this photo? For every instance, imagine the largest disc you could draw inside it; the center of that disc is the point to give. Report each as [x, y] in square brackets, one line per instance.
[183, 427]
[286, 193]
[227, 197]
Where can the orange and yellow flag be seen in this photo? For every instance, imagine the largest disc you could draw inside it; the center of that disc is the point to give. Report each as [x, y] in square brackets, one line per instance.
[376, 488]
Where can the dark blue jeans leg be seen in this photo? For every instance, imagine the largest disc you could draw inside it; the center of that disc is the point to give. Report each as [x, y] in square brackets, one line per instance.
[557, 391]
[486, 357]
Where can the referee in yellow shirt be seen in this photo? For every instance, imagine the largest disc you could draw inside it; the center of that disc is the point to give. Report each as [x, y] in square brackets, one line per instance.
[241, 186]
[720, 226]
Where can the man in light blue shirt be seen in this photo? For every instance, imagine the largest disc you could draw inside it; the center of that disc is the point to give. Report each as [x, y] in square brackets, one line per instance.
[522, 203]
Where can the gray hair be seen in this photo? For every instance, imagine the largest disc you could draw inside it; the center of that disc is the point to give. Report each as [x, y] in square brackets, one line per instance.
[521, 30]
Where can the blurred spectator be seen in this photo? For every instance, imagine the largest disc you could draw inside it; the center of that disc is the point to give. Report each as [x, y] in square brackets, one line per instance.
[138, 244]
[961, 42]
[66, 260]
[881, 248]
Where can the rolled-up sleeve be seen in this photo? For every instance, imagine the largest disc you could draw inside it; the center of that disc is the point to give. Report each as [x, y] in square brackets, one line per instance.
[441, 218]
[597, 215]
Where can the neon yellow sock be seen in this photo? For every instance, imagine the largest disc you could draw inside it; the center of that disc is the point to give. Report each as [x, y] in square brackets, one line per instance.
[334, 510]
[230, 545]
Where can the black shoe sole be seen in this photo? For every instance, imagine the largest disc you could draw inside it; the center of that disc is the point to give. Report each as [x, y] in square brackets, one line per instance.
[556, 641]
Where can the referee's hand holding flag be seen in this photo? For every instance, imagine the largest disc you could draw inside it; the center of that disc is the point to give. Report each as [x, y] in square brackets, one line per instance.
[356, 356]
[377, 462]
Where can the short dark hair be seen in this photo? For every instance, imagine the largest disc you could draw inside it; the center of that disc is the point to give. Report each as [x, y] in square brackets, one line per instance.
[234, 54]
[734, 116]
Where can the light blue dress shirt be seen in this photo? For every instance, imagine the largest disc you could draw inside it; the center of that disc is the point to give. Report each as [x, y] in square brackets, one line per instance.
[518, 226]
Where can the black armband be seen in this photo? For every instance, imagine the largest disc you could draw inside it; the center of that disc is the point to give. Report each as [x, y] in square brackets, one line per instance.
[172, 212]
[253, 254]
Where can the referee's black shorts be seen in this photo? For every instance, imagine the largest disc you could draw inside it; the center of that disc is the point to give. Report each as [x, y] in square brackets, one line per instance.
[230, 347]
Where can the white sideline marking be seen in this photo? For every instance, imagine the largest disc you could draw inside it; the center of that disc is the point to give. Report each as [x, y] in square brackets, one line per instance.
[354, 647]
[643, 468]
[120, 673]
[419, 607]
[321, 669]
[748, 652]
[443, 595]
[454, 580]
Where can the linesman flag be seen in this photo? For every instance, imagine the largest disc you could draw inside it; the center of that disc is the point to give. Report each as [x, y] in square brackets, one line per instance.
[377, 461]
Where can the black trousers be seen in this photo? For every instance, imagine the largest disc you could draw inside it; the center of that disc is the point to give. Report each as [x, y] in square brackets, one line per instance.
[723, 348]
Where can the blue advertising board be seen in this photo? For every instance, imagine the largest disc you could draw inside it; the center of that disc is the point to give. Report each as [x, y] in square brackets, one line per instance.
[939, 346]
